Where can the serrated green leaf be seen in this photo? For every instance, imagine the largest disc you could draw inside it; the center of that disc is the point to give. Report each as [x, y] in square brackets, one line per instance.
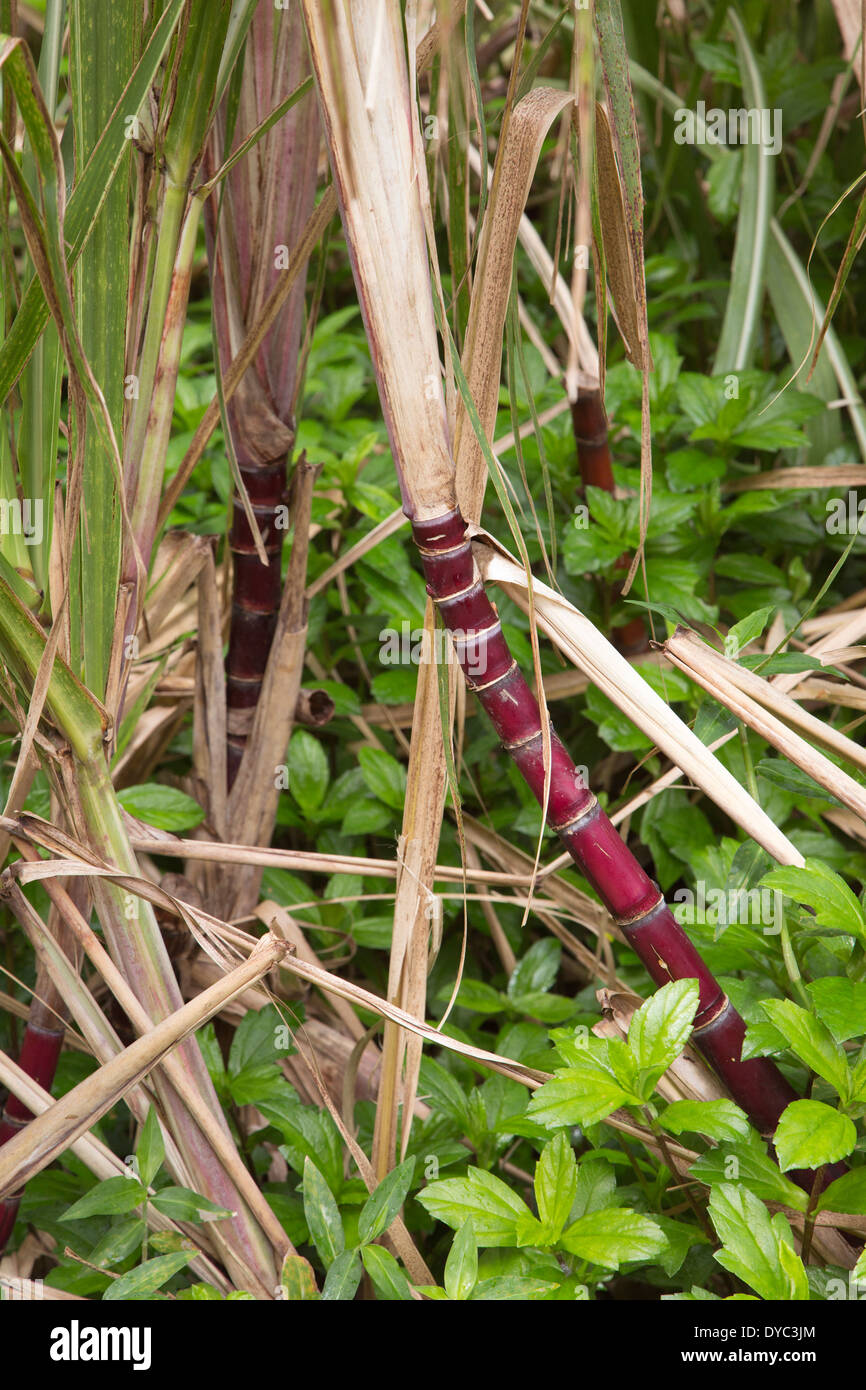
[752, 1244]
[841, 1005]
[811, 1133]
[461, 1267]
[811, 1041]
[385, 777]
[308, 771]
[613, 1237]
[556, 1183]
[660, 1029]
[825, 892]
[492, 1206]
[717, 1119]
[847, 1193]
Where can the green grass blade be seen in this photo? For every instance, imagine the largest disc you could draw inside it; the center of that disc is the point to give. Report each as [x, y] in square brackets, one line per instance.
[743, 308]
[102, 56]
[87, 198]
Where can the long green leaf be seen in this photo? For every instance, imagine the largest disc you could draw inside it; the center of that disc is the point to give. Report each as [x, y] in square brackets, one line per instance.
[743, 307]
[87, 198]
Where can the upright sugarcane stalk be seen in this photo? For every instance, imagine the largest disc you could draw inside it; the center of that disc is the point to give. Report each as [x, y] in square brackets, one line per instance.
[591, 437]
[374, 144]
[251, 225]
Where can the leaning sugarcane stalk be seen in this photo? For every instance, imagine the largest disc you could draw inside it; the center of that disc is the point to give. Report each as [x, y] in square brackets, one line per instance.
[377, 161]
[252, 226]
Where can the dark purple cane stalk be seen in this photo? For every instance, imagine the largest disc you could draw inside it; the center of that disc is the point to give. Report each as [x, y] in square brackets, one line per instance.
[40, 1051]
[596, 470]
[628, 893]
[252, 225]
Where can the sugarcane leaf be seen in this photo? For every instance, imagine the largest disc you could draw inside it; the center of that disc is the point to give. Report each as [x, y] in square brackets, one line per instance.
[388, 1278]
[825, 892]
[743, 305]
[148, 1278]
[811, 1133]
[343, 1278]
[855, 241]
[812, 1042]
[847, 1193]
[613, 1237]
[383, 1205]
[150, 1150]
[753, 1245]
[322, 1215]
[556, 1182]
[492, 1206]
[717, 1119]
[165, 807]
[182, 1204]
[297, 1280]
[461, 1267]
[660, 1029]
[841, 1005]
[86, 199]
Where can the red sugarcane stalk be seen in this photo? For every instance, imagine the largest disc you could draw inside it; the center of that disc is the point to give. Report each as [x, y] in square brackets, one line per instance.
[628, 893]
[596, 470]
[255, 599]
[40, 1051]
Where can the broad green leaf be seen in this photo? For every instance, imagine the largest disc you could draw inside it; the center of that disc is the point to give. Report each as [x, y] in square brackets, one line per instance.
[596, 1185]
[537, 970]
[577, 1096]
[811, 1133]
[108, 1198]
[254, 1039]
[385, 777]
[120, 1241]
[510, 1288]
[746, 630]
[383, 1205]
[343, 1278]
[847, 1193]
[461, 1267]
[841, 1005]
[492, 1206]
[182, 1204]
[752, 1244]
[165, 807]
[613, 1237]
[297, 1280]
[717, 1119]
[826, 893]
[660, 1029]
[751, 1166]
[150, 1152]
[556, 1182]
[308, 771]
[811, 1041]
[388, 1278]
[148, 1278]
[322, 1214]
